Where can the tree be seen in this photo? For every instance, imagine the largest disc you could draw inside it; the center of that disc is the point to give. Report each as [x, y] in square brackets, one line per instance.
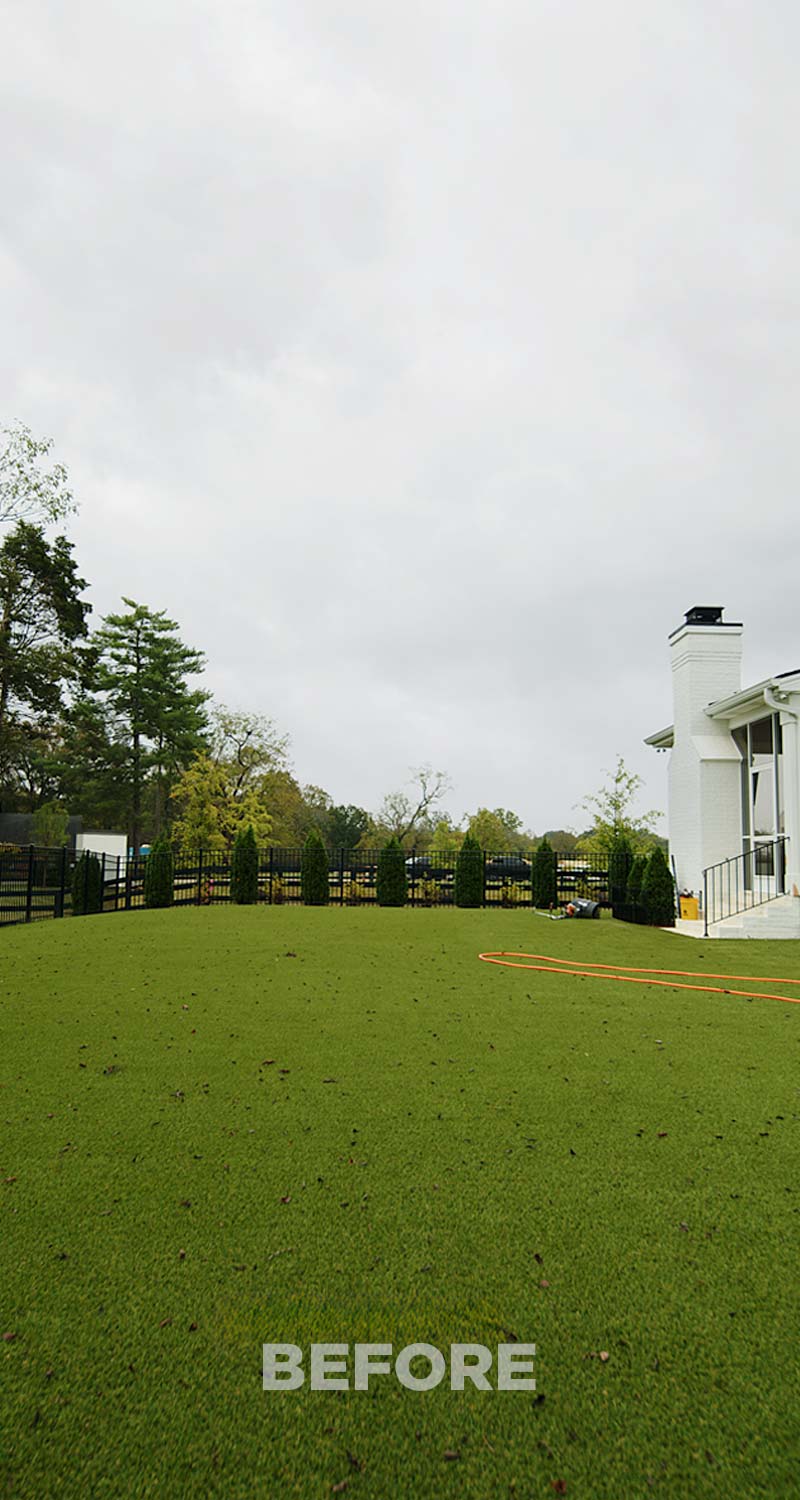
[544, 876]
[446, 838]
[400, 815]
[248, 744]
[50, 822]
[28, 492]
[244, 868]
[633, 890]
[159, 875]
[41, 616]
[346, 826]
[210, 811]
[314, 871]
[658, 891]
[469, 873]
[87, 886]
[498, 832]
[620, 859]
[391, 885]
[612, 811]
[140, 670]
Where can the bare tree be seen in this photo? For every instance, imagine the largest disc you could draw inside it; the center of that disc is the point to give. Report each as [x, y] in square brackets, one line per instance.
[401, 814]
[28, 492]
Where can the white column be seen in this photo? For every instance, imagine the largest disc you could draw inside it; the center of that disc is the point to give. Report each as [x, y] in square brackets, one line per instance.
[790, 731]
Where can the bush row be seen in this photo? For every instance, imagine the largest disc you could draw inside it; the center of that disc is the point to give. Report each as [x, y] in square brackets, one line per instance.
[641, 885]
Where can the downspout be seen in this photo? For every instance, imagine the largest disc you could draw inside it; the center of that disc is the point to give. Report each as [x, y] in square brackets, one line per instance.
[781, 706]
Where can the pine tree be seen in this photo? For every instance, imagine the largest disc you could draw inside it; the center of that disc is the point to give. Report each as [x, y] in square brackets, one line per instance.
[314, 871]
[633, 890]
[159, 874]
[544, 877]
[87, 886]
[392, 885]
[469, 873]
[244, 868]
[620, 860]
[658, 891]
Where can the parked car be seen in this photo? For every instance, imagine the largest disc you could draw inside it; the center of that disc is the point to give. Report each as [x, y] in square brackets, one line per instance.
[428, 867]
[508, 867]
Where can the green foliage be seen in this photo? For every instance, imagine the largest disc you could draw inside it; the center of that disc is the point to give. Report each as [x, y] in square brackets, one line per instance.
[50, 822]
[159, 874]
[544, 879]
[391, 886]
[28, 492]
[244, 867]
[620, 860]
[612, 810]
[87, 886]
[658, 891]
[138, 665]
[499, 831]
[633, 889]
[469, 873]
[314, 871]
[346, 826]
[41, 617]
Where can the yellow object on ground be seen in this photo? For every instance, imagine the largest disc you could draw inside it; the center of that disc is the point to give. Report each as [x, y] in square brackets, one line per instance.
[690, 908]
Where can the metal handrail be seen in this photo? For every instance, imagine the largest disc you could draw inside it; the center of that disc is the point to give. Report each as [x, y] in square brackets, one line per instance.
[742, 882]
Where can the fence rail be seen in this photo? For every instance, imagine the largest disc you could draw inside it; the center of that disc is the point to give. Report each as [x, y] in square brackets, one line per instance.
[36, 883]
[747, 880]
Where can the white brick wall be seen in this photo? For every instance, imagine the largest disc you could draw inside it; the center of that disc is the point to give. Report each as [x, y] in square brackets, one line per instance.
[705, 766]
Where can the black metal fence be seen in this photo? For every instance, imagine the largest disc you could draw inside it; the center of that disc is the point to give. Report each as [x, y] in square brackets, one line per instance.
[750, 879]
[37, 883]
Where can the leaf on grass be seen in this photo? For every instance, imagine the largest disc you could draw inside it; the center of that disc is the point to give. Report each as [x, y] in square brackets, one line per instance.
[559, 1485]
[355, 1463]
[537, 1257]
[8, 1338]
[336, 1489]
[451, 1453]
[287, 1198]
[165, 1322]
[544, 1283]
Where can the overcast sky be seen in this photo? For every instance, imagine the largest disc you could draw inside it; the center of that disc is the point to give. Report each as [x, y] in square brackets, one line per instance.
[425, 361]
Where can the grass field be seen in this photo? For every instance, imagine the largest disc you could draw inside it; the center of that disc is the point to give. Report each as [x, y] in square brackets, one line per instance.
[224, 1127]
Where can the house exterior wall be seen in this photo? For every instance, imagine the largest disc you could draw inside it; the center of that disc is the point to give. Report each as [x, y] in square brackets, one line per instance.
[705, 816]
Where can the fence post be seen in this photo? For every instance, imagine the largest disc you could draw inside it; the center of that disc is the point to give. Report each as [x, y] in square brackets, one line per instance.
[341, 876]
[128, 882]
[199, 900]
[29, 890]
[62, 882]
[271, 851]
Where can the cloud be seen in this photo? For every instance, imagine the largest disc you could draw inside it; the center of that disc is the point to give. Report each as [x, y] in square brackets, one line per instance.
[426, 363]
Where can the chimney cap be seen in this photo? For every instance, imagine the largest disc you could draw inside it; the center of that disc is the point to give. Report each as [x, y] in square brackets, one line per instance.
[706, 615]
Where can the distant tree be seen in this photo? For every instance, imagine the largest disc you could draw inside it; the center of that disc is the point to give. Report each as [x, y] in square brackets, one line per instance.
[612, 811]
[498, 832]
[544, 879]
[469, 873]
[446, 838]
[620, 859]
[391, 884]
[87, 886]
[140, 666]
[347, 826]
[28, 492]
[210, 811]
[401, 815]
[562, 840]
[658, 891]
[314, 871]
[159, 874]
[244, 868]
[50, 822]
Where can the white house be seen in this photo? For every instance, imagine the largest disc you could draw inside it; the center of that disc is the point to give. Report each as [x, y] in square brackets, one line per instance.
[734, 778]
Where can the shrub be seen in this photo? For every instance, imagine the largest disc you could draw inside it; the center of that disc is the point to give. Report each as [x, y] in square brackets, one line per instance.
[87, 886]
[544, 879]
[159, 874]
[469, 873]
[278, 891]
[391, 886]
[314, 871]
[620, 860]
[244, 868]
[658, 891]
[633, 890]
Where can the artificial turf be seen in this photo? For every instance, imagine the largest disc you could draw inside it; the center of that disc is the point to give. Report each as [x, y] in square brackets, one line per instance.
[233, 1126]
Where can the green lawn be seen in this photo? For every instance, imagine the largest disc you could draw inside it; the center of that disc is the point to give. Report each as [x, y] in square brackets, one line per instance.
[440, 1151]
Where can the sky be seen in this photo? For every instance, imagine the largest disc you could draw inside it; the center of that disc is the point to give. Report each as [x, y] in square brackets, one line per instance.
[425, 362]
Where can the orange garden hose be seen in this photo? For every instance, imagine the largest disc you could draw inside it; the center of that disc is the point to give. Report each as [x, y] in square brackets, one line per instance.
[567, 966]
